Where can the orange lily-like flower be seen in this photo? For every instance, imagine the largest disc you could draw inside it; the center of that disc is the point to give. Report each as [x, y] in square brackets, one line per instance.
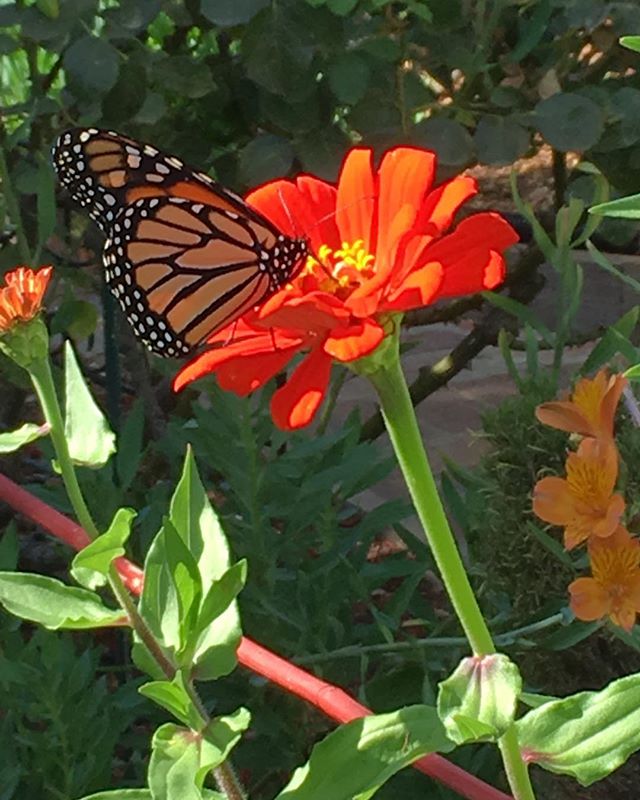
[21, 297]
[584, 502]
[382, 245]
[614, 589]
[591, 409]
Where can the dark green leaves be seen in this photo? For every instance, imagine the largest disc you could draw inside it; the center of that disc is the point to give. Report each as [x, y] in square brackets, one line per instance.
[569, 121]
[448, 138]
[231, 12]
[93, 63]
[357, 758]
[349, 77]
[264, 158]
[500, 140]
[278, 50]
[50, 603]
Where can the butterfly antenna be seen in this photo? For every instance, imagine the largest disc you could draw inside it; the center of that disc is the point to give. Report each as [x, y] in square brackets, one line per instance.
[290, 217]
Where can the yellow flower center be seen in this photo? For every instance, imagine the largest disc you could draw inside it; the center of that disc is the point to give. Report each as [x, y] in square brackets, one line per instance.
[341, 271]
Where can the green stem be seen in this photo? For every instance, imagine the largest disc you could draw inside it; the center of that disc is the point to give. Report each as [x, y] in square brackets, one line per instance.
[14, 210]
[42, 378]
[351, 651]
[400, 420]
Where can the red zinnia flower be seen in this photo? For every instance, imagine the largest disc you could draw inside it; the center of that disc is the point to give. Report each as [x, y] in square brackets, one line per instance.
[380, 247]
[21, 297]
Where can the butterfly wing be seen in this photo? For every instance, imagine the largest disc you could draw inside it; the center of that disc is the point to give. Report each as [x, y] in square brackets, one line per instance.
[184, 255]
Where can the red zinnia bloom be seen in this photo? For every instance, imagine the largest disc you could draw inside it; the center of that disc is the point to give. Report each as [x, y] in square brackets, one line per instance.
[21, 297]
[380, 246]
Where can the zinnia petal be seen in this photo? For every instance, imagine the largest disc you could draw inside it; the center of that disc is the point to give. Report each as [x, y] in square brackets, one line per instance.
[418, 289]
[321, 199]
[259, 344]
[356, 341]
[355, 203]
[405, 176]
[294, 405]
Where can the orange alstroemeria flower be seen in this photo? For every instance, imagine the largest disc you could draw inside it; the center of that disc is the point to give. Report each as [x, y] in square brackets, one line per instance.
[583, 502]
[380, 246]
[614, 589]
[21, 296]
[591, 409]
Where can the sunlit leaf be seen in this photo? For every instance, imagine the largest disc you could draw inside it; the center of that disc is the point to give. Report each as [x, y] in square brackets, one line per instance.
[10, 441]
[91, 441]
[54, 605]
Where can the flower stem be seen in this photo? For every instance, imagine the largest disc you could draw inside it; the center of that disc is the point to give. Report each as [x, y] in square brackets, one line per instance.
[400, 420]
[42, 379]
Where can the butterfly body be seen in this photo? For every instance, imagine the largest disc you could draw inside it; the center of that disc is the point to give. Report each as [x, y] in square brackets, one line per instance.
[184, 256]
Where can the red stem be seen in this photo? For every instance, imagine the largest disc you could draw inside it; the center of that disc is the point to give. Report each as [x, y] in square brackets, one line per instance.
[332, 700]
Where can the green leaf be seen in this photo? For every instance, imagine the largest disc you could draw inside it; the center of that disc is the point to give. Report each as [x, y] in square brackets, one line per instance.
[604, 262]
[14, 440]
[569, 121]
[632, 42]
[223, 733]
[181, 758]
[277, 44]
[77, 318]
[349, 77]
[227, 13]
[521, 312]
[121, 794]
[49, 8]
[221, 595]
[633, 373]
[341, 7]
[93, 62]
[448, 138]
[52, 604]
[478, 701]
[91, 441]
[614, 341]
[90, 567]
[193, 518]
[174, 697]
[500, 140]
[624, 208]
[264, 158]
[587, 735]
[360, 756]
[186, 580]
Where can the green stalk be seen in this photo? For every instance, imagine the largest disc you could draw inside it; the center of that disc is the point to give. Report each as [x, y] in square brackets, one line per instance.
[40, 371]
[42, 379]
[400, 420]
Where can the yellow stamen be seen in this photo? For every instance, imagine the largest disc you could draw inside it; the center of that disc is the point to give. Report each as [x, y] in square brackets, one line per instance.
[343, 269]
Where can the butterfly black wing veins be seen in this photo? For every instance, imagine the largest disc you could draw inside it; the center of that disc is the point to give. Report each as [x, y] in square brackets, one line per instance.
[121, 183]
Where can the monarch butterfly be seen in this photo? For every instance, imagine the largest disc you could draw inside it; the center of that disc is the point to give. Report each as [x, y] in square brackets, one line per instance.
[183, 255]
